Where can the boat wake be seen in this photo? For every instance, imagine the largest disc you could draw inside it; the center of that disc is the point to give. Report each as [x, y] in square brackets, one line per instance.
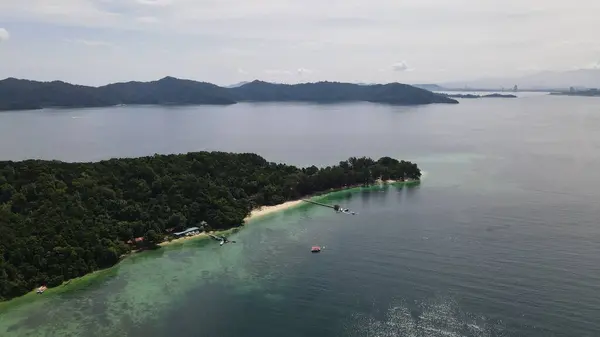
[428, 319]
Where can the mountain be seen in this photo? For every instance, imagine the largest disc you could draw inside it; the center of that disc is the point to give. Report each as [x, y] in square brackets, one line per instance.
[430, 87]
[23, 94]
[166, 91]
[546, 80]
[239, 84]
[333, 92]
[16, 94]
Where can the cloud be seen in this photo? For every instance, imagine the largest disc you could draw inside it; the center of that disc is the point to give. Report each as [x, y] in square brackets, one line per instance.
[400, 67]
[242, 71]
[90, 43]
[346, 40]
[302, 71]
[4, 35]
[594, 65]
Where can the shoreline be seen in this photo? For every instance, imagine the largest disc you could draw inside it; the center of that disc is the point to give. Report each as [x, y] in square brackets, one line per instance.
[254, 215]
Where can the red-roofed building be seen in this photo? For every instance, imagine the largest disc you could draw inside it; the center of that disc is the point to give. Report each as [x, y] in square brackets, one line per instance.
[136, 240]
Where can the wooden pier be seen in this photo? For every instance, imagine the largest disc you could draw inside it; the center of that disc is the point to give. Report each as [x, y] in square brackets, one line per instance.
[320, 204]
[334, 207]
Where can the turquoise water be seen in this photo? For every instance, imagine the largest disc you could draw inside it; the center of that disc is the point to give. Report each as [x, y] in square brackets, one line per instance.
[500, 238]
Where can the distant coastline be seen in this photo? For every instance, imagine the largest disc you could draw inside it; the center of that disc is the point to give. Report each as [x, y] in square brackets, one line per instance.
[473, 96]
[585, 93]
[18, 94]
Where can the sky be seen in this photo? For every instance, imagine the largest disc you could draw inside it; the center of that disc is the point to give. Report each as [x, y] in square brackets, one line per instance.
[96, 42]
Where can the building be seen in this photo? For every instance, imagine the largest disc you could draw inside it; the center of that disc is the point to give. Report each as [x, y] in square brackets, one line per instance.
[136, 240]
[188, 232]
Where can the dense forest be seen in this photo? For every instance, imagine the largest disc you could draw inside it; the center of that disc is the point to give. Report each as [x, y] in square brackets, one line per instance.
[18, 94]
[331, 92]
[62, 220]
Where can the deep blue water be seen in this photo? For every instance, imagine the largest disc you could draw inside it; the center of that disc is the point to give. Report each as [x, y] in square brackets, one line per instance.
[500, 239]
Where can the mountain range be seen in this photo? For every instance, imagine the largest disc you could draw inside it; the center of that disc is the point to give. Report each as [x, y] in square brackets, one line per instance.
[17, 94]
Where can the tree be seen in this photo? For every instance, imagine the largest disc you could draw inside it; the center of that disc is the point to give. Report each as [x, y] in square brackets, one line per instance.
[151, 238]
[63, 220]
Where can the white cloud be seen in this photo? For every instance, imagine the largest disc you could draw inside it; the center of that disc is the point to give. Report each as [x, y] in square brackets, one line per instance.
[242, 71]
[595, 65]
[4, 35]
[302, 71]
[400, 67]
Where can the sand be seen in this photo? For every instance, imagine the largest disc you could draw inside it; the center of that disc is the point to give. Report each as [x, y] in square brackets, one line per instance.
[265, 210]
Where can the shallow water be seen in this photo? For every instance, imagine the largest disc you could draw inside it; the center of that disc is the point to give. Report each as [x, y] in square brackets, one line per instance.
[500, 238]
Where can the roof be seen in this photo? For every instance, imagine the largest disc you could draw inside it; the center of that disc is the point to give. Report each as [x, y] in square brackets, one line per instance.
[139, 239]
[187, 230]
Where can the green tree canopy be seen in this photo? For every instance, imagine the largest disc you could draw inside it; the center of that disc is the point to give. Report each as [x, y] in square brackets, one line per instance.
[62, 220]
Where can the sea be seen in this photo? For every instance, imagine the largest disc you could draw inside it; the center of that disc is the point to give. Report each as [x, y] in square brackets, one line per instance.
[500, 238]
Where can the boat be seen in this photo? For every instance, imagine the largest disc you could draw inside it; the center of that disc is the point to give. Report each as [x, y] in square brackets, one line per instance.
[315, 249]
[41, 289]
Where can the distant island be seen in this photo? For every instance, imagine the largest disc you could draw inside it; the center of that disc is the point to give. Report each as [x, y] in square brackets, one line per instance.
[59, 221]
[588, 93]
[16, 94]
[496, 95]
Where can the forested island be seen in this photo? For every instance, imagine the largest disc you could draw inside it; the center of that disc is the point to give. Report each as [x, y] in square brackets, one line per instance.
[63, 220]
[17, 94]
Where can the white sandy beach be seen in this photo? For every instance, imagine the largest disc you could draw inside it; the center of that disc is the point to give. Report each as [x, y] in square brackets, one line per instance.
[265, 210]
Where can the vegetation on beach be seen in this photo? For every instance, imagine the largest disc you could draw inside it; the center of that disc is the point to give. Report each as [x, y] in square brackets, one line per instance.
[62, 220]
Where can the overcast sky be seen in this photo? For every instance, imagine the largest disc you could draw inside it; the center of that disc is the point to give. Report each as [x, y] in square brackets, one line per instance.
[227, 41]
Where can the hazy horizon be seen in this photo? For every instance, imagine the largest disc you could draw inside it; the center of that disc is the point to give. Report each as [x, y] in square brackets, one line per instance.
[94, 42]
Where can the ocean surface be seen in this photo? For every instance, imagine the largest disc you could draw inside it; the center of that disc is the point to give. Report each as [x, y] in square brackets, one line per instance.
[501, 238]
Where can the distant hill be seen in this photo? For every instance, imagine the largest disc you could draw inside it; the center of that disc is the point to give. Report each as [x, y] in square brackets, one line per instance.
[239, 84]
[588, 93]
[546, 80]
[16, 94]
[430, 87]
[332, 92]
[23, 94]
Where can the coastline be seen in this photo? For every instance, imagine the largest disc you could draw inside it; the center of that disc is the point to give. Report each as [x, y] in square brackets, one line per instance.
[255, 214]
[266, 210]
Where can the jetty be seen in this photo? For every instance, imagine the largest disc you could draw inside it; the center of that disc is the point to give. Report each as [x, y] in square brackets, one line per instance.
[335, 207]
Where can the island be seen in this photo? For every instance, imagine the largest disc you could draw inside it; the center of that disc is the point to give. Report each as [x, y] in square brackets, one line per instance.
[59, 220]
[17, 94]
[573, 92]
[495, 95]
